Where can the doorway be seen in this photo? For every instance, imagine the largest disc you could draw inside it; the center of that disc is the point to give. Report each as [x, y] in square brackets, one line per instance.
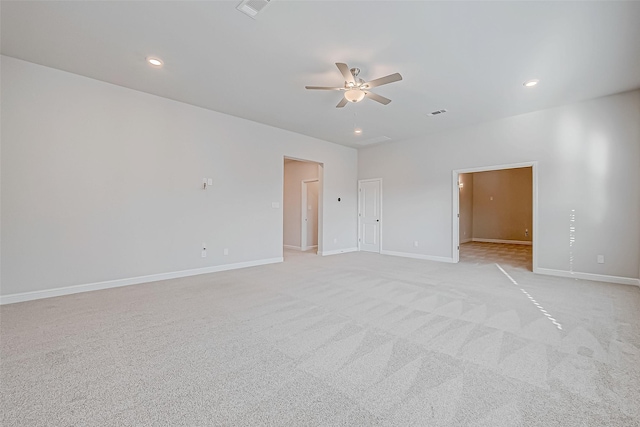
[370, 215]
[495, 215]
[302, 208]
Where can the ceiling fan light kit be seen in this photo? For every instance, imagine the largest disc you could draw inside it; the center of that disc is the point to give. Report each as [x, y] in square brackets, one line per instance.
[355, 89]
[354, 95]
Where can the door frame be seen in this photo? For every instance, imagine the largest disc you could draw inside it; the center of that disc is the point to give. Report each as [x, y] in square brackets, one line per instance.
[360, 181]
[320, 178]
[303, 210]
[455, 247]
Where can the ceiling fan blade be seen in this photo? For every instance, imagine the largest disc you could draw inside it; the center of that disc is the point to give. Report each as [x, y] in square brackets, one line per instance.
[323, 88]
[342, 103]
[383, 81]
[346, 73]
[375, 97]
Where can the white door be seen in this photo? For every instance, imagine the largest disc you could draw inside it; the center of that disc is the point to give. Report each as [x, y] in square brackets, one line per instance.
[369, 214]
[309, 211]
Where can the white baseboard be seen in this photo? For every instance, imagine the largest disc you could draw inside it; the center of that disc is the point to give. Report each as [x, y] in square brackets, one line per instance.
[68, 290]
[466, 240]
[513, 242]
[299, 248]
[417, 256]
[339, 251]
[589, 276]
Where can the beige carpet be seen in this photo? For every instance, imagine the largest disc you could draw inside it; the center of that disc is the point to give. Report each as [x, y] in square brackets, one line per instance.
[348, 340]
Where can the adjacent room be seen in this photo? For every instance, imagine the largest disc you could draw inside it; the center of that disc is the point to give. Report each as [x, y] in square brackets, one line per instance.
[496, 216]
[313, 213]
[301, 207]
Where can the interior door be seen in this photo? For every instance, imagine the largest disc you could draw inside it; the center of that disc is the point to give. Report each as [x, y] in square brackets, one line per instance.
[310, 215]
[369, 215]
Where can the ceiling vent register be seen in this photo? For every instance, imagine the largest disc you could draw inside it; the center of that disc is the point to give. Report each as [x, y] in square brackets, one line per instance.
[252, 7]
[437, 112]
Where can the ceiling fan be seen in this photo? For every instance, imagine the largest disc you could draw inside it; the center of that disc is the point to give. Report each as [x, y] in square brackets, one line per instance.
[355, 89]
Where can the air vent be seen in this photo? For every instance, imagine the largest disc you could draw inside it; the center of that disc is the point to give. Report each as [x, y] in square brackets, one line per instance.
[375, 140]
[252, 7]
[437, 112]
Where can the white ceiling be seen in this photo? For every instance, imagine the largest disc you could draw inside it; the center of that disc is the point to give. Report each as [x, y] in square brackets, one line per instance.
[468, 57]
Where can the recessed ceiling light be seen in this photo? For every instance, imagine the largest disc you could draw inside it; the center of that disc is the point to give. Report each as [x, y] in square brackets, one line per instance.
[357, 131]
[155, 62]
[531, 83]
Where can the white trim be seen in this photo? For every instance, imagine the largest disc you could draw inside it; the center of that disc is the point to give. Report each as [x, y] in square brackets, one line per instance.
[297, 248]
[339, 251]
[75, 289]
[513, 242]
[360, 181]
[590, 276]
[308, 248]
[417, 256]
[467, 240]
[455, 238]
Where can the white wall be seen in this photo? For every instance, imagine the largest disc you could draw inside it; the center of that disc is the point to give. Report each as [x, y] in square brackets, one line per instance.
[588, 161]
[101, 182]
[294, 173]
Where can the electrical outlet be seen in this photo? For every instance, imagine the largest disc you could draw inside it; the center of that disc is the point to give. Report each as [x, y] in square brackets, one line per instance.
[335, 240]
[526, 232]
[415, 243]
[226, 251]
[600, 259]
[203, 254]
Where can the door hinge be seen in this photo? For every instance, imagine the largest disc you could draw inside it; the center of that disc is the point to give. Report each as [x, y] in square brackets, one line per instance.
[458, 247]
[458, 215]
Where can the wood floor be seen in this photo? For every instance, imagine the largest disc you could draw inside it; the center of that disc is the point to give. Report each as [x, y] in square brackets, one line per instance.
[479, 253]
